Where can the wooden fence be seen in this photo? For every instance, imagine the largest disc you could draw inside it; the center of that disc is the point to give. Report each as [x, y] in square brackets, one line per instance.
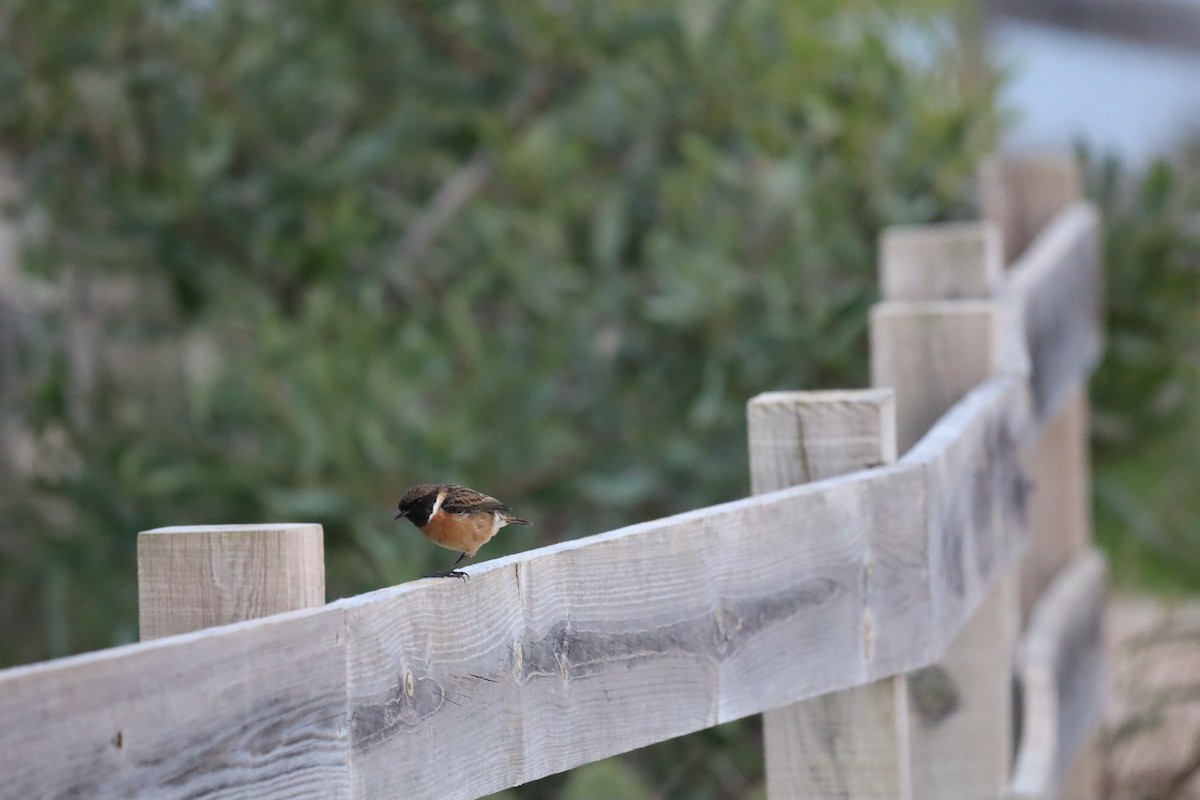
[875, 608]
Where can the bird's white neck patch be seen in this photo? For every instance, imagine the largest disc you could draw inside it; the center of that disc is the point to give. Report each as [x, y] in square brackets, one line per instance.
[437, 504]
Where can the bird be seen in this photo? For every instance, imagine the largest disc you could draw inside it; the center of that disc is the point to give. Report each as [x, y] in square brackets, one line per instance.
[456, 517]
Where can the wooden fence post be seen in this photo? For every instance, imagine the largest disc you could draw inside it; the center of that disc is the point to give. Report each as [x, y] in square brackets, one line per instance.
[1062, 670]
[1060, 516]
[1021, 196]
[192, 577]
[1060, 503]
[932, 352]
[852, 743]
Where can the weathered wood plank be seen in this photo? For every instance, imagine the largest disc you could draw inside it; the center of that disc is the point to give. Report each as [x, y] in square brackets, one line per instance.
[848, 744]
[1061, 668]
[1057, 286]
[1020, 195]
[961, 739]
[978, 496]
[978, 513]
[951, 261]
[704, 617]
[573, 653]
[679, 624]
[1060, 502]
[935, 353]
[938, 353]
[250, 711]
[800, 437]
[932, 354]
[1060, 512]
[711, 624]
[197, 576]
[963, 706]
[852, 743]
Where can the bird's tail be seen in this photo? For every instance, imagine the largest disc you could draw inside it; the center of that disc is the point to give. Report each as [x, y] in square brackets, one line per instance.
[509, 519]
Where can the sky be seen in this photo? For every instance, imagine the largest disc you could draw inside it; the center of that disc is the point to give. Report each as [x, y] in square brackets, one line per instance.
[1125, 99]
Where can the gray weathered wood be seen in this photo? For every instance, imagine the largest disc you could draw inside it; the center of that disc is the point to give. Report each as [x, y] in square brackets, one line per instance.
[978, 495]
[599, 646]
[852, 743]
[250, 711]
[962, 733]
[197, 576]
[545, 660]
[1056, 288]
[848, 744]
[962, 706]
[1020, 195]
[931, 354]
[1060, 501]
[800, 437]
[935, 353]
[951, 261]
[1061, 667]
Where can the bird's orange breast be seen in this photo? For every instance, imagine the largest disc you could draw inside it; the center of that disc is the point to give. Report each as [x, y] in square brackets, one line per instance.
[463, 532]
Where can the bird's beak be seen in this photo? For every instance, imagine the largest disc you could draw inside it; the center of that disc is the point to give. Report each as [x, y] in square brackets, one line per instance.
[399, 514]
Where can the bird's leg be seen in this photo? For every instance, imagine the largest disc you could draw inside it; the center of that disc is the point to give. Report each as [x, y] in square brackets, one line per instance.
[452, 572]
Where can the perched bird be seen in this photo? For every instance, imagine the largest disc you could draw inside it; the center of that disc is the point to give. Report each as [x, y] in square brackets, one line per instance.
[455, 517]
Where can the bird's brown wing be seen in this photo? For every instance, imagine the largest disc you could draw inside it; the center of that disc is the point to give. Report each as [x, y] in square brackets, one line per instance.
[463, 500]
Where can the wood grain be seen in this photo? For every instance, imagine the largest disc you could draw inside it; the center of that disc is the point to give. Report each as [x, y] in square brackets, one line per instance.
[602, 645]
[1061, 667]
[1045, 325]
[1056, 287]
[931, 354]
[1020, 195]
[852, 743]
[935, 353]
[192, 577]
[978, 495]
[800, 437]
[962, 706]
[548, 659]
[950, 261]
[848, 744]
[1060, 500]
[250, 711]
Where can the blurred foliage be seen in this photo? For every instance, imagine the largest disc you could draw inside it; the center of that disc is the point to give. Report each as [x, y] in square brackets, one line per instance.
[283, 259]
[1146, 394]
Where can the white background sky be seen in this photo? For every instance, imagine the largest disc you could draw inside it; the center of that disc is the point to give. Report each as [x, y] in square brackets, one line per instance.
[1127, 99]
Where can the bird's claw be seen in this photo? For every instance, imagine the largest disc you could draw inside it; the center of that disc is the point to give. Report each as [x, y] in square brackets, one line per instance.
[450, 573]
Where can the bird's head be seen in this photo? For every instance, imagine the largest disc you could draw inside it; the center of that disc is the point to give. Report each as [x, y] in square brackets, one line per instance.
[417, 503]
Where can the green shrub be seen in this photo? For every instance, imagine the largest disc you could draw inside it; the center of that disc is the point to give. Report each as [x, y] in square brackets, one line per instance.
[296, 256]
[325, 250]
[1146, 394]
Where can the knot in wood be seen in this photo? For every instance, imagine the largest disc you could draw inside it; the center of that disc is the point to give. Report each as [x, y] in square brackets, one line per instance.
[934, 694]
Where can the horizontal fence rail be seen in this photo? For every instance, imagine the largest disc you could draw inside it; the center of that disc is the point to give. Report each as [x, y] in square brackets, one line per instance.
[571, 653]
[1061, 670]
